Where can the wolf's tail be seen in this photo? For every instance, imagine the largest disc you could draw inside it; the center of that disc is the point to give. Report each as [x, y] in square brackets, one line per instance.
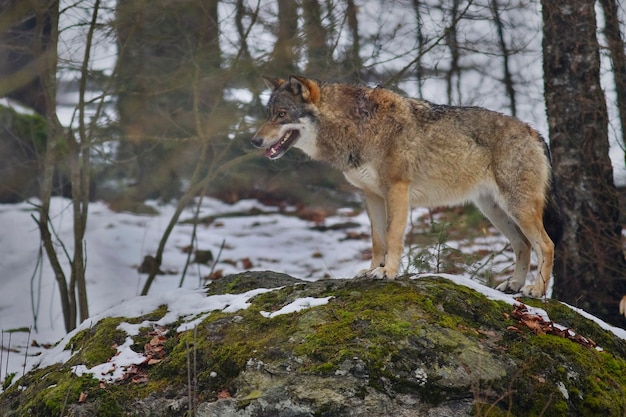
[552, 213]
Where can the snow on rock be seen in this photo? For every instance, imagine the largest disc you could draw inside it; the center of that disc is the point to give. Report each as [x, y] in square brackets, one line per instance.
[181, 303]
[298, 305]
[494, 294]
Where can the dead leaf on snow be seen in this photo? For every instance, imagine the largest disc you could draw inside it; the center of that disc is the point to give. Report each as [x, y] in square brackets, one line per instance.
[217, 274]
[246, 263]
[539, 325]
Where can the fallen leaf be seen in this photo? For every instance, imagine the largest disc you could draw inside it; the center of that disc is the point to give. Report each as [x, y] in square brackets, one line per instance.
[157, 340]
[139, 379]
[539, 325]
[223, 393]
[217, 274]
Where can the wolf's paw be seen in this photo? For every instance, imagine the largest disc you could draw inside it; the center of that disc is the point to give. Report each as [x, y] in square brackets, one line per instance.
[363, 273]
[377, 273]
[533, 291]
[509, 286]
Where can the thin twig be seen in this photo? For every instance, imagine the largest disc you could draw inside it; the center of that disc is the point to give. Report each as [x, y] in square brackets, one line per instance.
[35, 309]
[194, 231]
[26, 352]
[6, 367]
[217, 258]
[394, 79]
[189, 389]
[195, 369]
[1, 352]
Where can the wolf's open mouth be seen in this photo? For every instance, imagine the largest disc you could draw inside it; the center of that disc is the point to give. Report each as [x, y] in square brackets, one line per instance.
[279, 148]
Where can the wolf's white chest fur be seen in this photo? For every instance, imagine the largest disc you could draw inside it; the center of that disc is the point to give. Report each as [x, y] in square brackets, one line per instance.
[365, 178]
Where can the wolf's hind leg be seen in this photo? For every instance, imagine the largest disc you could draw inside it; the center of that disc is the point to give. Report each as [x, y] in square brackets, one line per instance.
[521, 246]
[529, 219]
[532, 226]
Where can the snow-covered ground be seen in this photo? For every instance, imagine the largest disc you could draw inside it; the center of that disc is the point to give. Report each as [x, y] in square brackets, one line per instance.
[116, 244]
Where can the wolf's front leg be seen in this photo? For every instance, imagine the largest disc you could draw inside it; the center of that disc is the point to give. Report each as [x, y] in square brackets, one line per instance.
[377, 214]
[397, 209]
[378, 221]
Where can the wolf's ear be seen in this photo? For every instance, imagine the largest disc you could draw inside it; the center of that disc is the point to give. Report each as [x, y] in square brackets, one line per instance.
[273, 83]
[308, 89]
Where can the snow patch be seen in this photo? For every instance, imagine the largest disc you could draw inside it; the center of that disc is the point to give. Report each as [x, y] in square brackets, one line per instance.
[298, 305]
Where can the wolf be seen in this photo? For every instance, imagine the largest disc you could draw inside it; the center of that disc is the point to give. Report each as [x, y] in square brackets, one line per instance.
[402, 152]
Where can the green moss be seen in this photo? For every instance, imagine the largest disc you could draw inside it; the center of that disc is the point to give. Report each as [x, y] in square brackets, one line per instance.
[380, 332]
[595, 382]
[67, 389]
[54, 390]
[97, 344]
[30, 128]
[565, 316]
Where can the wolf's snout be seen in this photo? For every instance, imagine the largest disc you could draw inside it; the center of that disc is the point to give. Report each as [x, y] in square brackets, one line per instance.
[256, 142]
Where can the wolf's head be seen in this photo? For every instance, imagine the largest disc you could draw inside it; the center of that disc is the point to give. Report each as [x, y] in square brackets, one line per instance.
[291, 117]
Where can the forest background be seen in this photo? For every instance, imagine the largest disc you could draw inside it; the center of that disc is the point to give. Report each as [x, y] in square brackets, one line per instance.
[135, 100]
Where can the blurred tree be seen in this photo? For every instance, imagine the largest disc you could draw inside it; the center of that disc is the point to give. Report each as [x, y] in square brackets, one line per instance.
[618, 58]
[283, 56]
[318, 54]
[19, 32]
[72, 286]
[589, 264]
[23, 43]
[453, 74]
[419, 69]
[352, 62]
[507, 77]
[166, 51]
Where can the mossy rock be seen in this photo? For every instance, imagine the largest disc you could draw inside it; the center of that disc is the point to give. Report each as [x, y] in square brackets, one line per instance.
[407, 347]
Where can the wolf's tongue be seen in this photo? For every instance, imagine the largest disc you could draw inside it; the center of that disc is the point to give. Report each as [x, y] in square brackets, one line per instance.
[271, 151]
[275, 150]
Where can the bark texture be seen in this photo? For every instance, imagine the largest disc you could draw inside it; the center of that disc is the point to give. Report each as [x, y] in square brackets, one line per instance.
[589, 266]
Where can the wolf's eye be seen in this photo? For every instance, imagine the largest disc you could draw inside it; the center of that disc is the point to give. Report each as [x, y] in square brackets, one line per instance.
[281, 114]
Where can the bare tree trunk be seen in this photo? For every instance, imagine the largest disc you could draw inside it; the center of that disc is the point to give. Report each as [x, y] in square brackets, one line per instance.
[589, 264]
[353, 62]
[618, 57]
[46, 50]
[205, 98]
[419, 70]
[453, 44]
[315, 33]
[240, 12]
[283, 56]
[507, 76]
[80, 166]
